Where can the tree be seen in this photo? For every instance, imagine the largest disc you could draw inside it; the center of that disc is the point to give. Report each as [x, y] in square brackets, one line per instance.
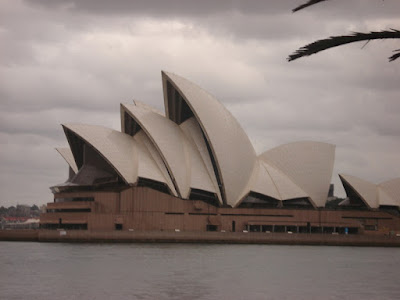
[12, 211]
[335, 41]
[3, 211]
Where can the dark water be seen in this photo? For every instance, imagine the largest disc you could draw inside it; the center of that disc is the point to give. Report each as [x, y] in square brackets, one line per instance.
[182, 271]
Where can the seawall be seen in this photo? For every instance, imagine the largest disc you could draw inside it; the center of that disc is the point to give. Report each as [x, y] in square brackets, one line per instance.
[77, 236]
[25, 235]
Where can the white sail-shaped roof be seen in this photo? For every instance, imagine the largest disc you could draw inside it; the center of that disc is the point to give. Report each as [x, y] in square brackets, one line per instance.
[262, 183]
[385, 199]
[200, 179]
[389, 192]
[66, 153]
[232, 151]
[286, 187]
[193, 133]
[117, 148]
[180, 155]
[167, 138]
[128, 157]
[270, 181]
[367, 191]
[148, 167]
[152, 158]
[308, 164]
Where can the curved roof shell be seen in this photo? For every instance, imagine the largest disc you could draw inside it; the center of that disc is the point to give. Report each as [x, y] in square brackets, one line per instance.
[117, 148]
[66, 153]
[367, 191]
[199, 179]
[168, 140]
[386, 199]
[268, 180]
[150, 164]
[125, 124]
[389, 192]
[262, 183]
[193, 133]
[128, 157]
[308, 164]
[286, 188]
[230, 147]
[179, 154]
[152, 153]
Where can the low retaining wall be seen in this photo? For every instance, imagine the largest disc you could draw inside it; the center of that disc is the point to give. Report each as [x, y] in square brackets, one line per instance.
[27, 235]
[77, 236]
[218, 237]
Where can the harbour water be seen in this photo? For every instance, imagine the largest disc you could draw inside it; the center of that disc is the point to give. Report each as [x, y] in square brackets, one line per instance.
[196, 271]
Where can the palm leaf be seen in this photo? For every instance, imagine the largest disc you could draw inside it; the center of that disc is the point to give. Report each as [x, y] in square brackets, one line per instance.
[309, 3]
[335, 41]
[395, 56]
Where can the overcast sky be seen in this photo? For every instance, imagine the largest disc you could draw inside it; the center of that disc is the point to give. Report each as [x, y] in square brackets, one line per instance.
[75, 61]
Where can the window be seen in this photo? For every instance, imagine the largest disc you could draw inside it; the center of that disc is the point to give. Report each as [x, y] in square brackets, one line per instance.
[370, 227]
[328, 230]
[266, 228]
[292, 229]
[211, 227]
[280, 228]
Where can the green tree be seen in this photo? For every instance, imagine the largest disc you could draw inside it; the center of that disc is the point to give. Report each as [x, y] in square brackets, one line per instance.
[3, 211]
[12, 211]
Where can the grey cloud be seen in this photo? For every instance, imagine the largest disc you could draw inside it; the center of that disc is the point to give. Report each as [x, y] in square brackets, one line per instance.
[168, 8]
[47, 123]
[332, 9]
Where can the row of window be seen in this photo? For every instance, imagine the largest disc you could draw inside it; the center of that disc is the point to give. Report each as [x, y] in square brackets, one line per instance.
[291, 229]
[74, 199]
[68, 210]
[302, 229]
[249, 228]
[64, 226]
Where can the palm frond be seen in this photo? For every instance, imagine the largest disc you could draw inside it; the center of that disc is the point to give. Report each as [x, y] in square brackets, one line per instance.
[395, 56]
[335, 41]
[309, 3]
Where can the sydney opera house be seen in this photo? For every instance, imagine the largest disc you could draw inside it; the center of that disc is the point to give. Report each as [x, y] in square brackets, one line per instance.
[194, 169]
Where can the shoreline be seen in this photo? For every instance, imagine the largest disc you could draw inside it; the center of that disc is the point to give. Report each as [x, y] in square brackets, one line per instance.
[79, 236]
